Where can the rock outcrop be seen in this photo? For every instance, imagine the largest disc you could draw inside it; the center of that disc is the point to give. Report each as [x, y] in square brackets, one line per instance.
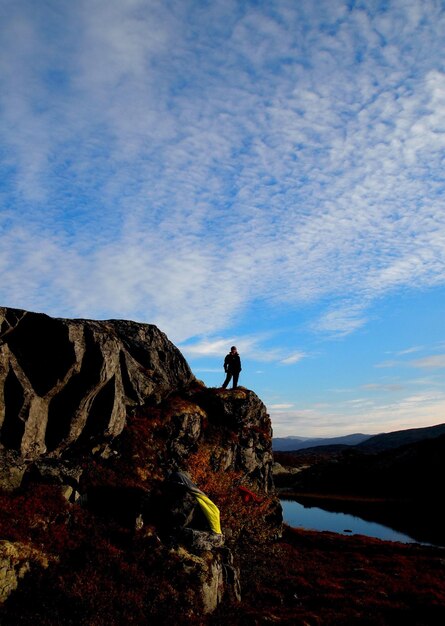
[98, 415]
[62, 380]
[243, 424]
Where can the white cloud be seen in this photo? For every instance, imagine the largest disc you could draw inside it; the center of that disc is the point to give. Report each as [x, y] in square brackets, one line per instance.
[410, 350]
[174, 166]
[251, 347]
[390, 387]
[214, 347]
[293, 358]
[280, 407]
[436, 361]
[363, 415]
[342, 320]
[432, 361]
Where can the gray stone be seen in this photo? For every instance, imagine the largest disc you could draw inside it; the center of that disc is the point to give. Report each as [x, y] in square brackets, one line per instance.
[62, 380]
[16, 560]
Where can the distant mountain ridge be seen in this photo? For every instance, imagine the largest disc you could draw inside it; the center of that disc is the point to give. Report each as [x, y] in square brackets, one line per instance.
[364, 443]
[292, 444]
[388, 441]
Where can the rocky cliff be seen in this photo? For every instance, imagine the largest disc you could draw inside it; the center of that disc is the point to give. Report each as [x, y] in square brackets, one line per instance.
[94, 418]
[61, 380]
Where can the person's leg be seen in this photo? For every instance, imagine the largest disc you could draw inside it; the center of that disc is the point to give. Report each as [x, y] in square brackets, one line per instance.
[235, 379]
[227, 381]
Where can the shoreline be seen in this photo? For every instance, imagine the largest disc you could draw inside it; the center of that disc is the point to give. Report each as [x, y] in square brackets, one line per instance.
[285, 494]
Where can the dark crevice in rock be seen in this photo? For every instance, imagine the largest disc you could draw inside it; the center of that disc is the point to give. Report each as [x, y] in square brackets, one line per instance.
[64, 406]
[101, 409]
[13, 427]
[129, 389]
[61, 410]
[129, 335]
[43, 362]
[162, 356]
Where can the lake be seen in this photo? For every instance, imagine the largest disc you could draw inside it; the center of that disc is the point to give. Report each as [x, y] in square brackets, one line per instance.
[315, 518]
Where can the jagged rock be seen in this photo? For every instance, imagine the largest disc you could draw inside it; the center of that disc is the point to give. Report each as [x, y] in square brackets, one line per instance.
[246, 433]
[64, 380]
[278, 469]
[186, 426]
[12, 469]
[200, 540]
[16, 559]
[205, 555]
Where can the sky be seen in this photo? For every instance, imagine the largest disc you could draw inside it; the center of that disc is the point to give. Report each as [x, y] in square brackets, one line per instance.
[265, 174]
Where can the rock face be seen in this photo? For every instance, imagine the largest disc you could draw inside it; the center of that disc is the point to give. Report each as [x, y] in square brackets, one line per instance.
[61, 380]
[16, 560]
[243, 424]
[98, 415]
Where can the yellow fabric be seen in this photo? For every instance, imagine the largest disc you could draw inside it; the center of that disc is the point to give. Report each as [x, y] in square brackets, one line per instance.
[210, 510]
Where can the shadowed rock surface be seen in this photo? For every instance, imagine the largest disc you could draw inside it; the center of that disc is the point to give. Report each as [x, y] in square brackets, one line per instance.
[61, 380]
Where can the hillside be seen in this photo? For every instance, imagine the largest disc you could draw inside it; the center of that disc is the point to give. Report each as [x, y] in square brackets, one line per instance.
[397, 488]
[406, 471]
[388, 441]
[324, 579]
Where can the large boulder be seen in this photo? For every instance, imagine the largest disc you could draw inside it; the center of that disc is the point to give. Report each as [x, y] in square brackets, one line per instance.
[63, 380]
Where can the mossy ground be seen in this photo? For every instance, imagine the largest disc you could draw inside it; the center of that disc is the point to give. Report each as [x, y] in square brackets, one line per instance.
[326, 579]
[102, 574]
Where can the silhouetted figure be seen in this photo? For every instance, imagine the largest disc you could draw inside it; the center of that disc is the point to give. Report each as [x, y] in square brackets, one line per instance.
[232, 367]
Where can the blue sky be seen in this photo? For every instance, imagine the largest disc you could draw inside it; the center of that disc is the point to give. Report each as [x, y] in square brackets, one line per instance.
[266, 174]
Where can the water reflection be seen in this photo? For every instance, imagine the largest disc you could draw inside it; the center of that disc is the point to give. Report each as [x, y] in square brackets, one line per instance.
[314, 518]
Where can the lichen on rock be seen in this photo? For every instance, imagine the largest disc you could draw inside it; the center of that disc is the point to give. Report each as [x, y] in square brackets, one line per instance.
[16, 560]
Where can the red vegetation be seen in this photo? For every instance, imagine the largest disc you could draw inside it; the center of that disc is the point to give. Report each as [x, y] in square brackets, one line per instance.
[243, 519]
[248, 496]
[37, 516]
[104, 574]
[325, 579]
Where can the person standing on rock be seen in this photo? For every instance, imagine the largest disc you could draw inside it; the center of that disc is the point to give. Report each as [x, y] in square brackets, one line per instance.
[232, 367]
